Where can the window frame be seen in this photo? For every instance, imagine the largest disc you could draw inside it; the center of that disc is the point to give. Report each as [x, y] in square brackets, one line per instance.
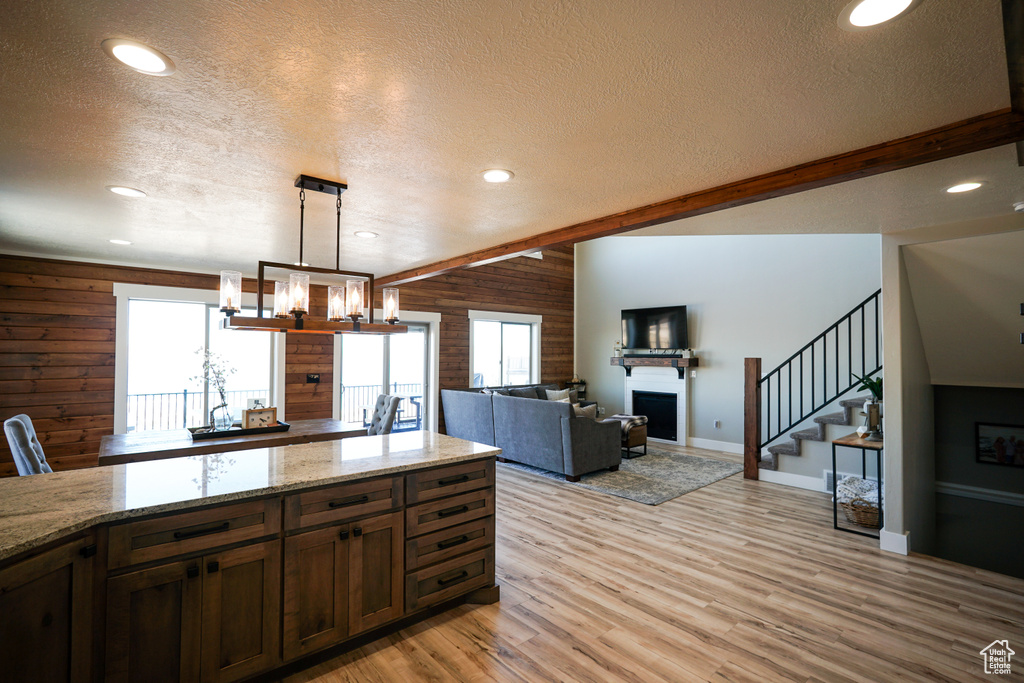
[125, 292]
[534, 321]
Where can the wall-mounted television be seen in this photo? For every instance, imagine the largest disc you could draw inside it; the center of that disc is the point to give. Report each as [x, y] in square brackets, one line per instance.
[655, 328]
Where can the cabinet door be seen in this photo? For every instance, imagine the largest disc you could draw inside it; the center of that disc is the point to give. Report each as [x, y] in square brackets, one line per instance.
[315, 590]
[241, 612]
[376, 565]
[153, 624]
[46, 622]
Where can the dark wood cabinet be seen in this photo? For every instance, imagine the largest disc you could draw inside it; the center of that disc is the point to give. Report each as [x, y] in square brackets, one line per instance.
[46, 615]
[241, 612]
[212, 619]
[375, 572]
[315, 590]
[154, 622]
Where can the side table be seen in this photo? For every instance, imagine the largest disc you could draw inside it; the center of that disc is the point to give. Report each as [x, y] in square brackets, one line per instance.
[857, 442]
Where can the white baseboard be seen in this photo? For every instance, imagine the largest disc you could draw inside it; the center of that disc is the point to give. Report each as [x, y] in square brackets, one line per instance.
[991, 495]
[712, 445]
[800, 481]
[894, 543]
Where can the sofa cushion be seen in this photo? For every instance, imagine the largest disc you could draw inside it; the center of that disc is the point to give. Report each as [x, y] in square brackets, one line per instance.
[523, 392]
[558, 394]
[499, 390]
[468, 415]
[586, 411]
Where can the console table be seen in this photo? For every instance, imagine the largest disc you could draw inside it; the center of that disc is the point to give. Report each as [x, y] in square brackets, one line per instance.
[856, 441]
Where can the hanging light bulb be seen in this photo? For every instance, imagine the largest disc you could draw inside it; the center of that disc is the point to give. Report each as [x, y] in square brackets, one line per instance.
[354, 306]
[230, 291]
[282, 304]
[298, 289]
[391, 305]
[336, 303]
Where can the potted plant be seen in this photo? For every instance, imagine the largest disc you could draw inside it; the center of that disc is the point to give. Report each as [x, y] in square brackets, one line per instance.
[215, 374]
[872, 406]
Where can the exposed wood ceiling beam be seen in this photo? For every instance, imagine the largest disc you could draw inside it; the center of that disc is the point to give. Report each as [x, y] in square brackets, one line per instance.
[970, 135]
[1013, 35]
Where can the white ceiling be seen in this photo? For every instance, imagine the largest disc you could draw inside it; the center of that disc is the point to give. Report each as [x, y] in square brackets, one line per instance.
[597, 107]
[967, 294]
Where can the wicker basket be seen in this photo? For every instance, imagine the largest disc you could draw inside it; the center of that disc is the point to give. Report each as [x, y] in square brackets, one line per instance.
[861, 513]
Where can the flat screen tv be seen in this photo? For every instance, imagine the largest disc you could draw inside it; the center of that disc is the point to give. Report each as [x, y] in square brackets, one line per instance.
[655, 328]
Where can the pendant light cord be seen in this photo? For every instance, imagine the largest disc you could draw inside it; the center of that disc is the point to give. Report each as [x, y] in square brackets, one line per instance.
[302, 217]
[337, 244]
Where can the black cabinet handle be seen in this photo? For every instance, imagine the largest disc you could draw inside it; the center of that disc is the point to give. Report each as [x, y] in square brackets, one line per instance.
[346, 503]
[192, 572]
[344, 535]
[453, 542]
[453, 480]
[459, 577]
[357, 532]
[223, 526]
[88, 551]
[211, 567]
[453, 511]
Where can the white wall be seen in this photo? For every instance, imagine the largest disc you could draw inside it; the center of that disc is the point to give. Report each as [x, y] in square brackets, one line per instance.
[751, 296]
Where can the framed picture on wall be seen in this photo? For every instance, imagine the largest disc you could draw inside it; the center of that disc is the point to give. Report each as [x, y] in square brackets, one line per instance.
[999, 444]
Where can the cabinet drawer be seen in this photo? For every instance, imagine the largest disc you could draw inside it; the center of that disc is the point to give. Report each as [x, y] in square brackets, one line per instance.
[447, 481]
[449, 579]
[448, 543]
[341, 502]
[188, 532]
[446, 512]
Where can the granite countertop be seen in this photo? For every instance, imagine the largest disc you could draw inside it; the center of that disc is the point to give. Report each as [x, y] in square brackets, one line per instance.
[38, 509]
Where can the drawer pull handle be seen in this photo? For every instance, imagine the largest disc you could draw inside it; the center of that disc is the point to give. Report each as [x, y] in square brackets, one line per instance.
[345, 504]
[192, 572]
[453, 480]
[212, 567]
[88, 551]
[344, 535]
[357, 532]
[453, 511]
[451, 543]
[223, 526]
[458, 577]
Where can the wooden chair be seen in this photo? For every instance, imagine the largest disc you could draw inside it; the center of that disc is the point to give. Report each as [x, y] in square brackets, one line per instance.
[28, 452]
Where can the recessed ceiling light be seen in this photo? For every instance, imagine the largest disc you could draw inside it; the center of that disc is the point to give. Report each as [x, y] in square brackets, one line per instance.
[366, 233]
[142, 58]
[126, 191]
[864, 14]
[497, 175]
[301, 264]
[963, 187]
[121, 242]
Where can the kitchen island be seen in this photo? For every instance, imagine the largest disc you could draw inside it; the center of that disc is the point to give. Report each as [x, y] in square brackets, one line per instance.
[225, 566]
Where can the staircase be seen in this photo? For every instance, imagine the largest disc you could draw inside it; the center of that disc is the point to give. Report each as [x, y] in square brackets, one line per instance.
[820, 374]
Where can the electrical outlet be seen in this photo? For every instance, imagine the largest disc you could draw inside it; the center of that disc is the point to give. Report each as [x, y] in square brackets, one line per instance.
[693, 373]
[600, 411]
[313, 378]
[718, 424]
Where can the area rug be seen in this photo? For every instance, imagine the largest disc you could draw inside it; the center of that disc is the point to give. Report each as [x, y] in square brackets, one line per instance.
[651, 479]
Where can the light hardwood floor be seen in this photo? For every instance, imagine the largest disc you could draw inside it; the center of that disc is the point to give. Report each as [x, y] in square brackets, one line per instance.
[739, 581]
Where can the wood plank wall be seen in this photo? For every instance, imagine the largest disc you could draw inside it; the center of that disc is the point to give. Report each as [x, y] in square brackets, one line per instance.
[57, 339]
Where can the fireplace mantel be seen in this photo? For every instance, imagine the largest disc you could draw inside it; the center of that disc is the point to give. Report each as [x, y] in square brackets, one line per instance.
[680, 364]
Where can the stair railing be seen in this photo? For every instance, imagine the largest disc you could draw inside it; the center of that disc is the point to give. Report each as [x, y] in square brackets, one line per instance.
[812, 378]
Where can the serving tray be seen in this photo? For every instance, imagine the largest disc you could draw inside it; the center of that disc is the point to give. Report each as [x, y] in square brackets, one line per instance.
[200, 436]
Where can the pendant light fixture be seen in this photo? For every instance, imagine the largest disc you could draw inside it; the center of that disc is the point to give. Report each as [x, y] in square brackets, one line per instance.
[349, 307]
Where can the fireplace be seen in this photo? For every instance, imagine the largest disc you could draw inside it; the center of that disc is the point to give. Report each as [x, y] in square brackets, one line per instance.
[661, 411]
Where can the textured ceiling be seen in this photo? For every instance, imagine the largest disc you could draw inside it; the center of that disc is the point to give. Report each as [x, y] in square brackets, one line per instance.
[597, 107]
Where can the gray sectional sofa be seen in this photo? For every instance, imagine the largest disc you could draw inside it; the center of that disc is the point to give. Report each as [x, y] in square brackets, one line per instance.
[533, 431]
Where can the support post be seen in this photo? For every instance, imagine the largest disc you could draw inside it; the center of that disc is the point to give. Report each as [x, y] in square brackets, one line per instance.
[751, 417]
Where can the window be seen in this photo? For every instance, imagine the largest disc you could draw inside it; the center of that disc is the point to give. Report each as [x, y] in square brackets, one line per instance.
[161, 336]
[504, 348]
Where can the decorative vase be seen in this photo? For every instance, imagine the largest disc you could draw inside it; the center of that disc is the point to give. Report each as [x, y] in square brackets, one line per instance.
[220, 418]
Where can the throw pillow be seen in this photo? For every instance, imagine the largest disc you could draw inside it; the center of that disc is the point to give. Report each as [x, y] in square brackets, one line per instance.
[559, 394]
[587, 411]
[527, 392]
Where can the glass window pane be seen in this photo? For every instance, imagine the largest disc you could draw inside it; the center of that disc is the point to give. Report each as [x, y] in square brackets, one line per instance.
[362, 374]
[486, 353]
[161, 394]
[407, 370]
[249, 354]
[515, 344]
